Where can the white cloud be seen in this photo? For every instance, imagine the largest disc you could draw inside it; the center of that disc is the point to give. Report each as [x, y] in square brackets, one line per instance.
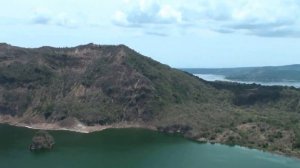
[168, 13]
[44, 16]
[270, 18]
[145, 13]
[41, 16]
[120, 18]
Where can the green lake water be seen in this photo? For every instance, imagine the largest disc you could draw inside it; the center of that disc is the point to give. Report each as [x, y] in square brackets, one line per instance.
[128, 148]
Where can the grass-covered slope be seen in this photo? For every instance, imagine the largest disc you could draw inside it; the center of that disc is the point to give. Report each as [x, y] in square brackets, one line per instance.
[102, 85]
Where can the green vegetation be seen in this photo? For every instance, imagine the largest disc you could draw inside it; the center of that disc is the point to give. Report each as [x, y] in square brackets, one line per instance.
[297, 137]
[17, 74]
[111, 84]
[42, 140]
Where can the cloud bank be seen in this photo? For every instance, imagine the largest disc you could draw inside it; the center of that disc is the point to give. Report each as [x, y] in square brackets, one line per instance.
[267, 18]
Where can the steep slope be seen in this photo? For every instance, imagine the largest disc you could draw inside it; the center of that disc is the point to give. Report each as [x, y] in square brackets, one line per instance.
[97, 85]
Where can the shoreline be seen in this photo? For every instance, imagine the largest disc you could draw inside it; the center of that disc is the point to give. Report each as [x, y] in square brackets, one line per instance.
[80, 128]
[84, 130]
[75, 127]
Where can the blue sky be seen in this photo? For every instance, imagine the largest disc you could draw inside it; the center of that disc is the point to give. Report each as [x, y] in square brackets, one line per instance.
[182, 33]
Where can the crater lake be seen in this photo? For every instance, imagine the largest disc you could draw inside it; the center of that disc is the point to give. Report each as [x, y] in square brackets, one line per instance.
[128, 148]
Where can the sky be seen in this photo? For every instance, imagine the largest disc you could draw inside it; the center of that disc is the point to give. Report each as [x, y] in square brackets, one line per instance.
[180, 33]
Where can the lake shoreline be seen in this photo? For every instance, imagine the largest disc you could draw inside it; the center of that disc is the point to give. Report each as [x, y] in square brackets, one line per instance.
[77, 127]
[279, 153]
[129, 145]
[223, 78]
[80, 128]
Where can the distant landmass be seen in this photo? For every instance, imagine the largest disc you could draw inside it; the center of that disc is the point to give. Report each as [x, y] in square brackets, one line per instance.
[287, 73]
[92, 87]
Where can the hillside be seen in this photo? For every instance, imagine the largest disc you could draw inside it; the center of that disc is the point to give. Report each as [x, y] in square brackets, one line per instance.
[288, 73]
[106, 85]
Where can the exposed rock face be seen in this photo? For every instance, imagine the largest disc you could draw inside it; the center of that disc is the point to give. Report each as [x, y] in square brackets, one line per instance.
[41, 140]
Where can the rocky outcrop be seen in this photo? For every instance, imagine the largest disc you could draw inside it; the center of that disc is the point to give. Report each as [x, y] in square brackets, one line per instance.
[42, 140]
